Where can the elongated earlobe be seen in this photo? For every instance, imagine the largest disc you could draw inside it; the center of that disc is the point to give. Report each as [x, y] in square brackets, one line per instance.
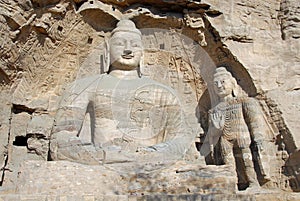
[105, 58]
[235, 90]
[141, 66]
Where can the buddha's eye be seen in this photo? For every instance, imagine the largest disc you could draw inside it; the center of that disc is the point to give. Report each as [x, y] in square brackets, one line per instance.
[139, 109]
[118, 43]
[135, 43]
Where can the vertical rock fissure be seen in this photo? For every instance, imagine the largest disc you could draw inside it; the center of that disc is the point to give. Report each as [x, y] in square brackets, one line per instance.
[289, 17]
[284, 131]
[7, 150]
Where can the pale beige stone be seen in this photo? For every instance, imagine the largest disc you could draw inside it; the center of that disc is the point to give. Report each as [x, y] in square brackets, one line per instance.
[47, 44]
[131, 118]
[240, 127]
[67, 178]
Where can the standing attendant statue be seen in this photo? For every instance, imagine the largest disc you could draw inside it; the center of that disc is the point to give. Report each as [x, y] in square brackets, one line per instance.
[237, 122]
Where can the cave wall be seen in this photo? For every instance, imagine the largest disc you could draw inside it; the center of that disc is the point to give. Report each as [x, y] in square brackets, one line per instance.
[47, 44]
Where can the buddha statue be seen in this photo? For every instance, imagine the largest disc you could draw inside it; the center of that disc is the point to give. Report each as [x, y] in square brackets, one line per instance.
[131, 118]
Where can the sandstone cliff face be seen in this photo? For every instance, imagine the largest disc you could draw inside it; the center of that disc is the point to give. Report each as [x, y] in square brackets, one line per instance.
[47, 44]
[263, 37]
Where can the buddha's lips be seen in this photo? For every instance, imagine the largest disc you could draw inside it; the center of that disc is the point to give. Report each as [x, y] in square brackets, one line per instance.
[128, 56]
[220, 89]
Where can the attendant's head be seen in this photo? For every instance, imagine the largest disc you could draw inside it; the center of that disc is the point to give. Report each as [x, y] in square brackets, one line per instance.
[225, 85]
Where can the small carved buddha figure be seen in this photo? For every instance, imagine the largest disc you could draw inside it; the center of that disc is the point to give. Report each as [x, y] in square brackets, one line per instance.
[131, 118]
[236, 121]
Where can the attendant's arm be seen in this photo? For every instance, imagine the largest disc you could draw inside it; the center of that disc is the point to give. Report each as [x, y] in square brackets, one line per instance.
[255, 121]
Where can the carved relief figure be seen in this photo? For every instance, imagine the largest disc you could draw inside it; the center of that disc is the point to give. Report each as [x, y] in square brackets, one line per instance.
[237, 122]
[131, 117]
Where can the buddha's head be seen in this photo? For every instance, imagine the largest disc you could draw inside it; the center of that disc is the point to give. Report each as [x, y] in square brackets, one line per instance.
[125, 46]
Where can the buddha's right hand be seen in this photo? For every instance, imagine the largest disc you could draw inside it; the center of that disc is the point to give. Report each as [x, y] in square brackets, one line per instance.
[145, 150]
[117, 156]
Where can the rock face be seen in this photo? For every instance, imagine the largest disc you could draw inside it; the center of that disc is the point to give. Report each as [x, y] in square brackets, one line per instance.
[46, 45]
[289, 16]
[55, 179]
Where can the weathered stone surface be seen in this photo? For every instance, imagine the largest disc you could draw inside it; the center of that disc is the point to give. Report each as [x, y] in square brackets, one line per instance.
[277, 197]
[232, 197]
[238, 125]
[251, 30]
[38, 134]
[292, 168]
[47, 44]
[73, 181]
[5, 114]
[62, 177]
[17, 149]
[290, 19]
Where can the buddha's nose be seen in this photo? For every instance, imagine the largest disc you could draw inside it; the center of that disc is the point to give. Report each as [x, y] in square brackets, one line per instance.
[219, 84]
[126, 52]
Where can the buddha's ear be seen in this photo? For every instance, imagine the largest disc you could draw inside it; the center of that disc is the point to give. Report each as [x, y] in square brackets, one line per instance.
[235, 89]
[141, 65]
[105, 57]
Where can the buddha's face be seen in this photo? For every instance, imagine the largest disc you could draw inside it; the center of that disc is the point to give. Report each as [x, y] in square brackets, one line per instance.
[125, 50]
[223, 85]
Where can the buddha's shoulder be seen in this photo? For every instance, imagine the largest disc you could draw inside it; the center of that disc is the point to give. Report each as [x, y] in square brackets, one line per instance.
[89, 78]
[148, 82]
[86, 82]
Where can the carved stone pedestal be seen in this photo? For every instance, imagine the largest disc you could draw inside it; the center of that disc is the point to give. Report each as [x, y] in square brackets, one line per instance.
[63, 177]
[63, 180]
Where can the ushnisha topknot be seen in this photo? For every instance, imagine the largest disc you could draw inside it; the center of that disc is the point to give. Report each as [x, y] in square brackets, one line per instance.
[125, 25]
[221, 71]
